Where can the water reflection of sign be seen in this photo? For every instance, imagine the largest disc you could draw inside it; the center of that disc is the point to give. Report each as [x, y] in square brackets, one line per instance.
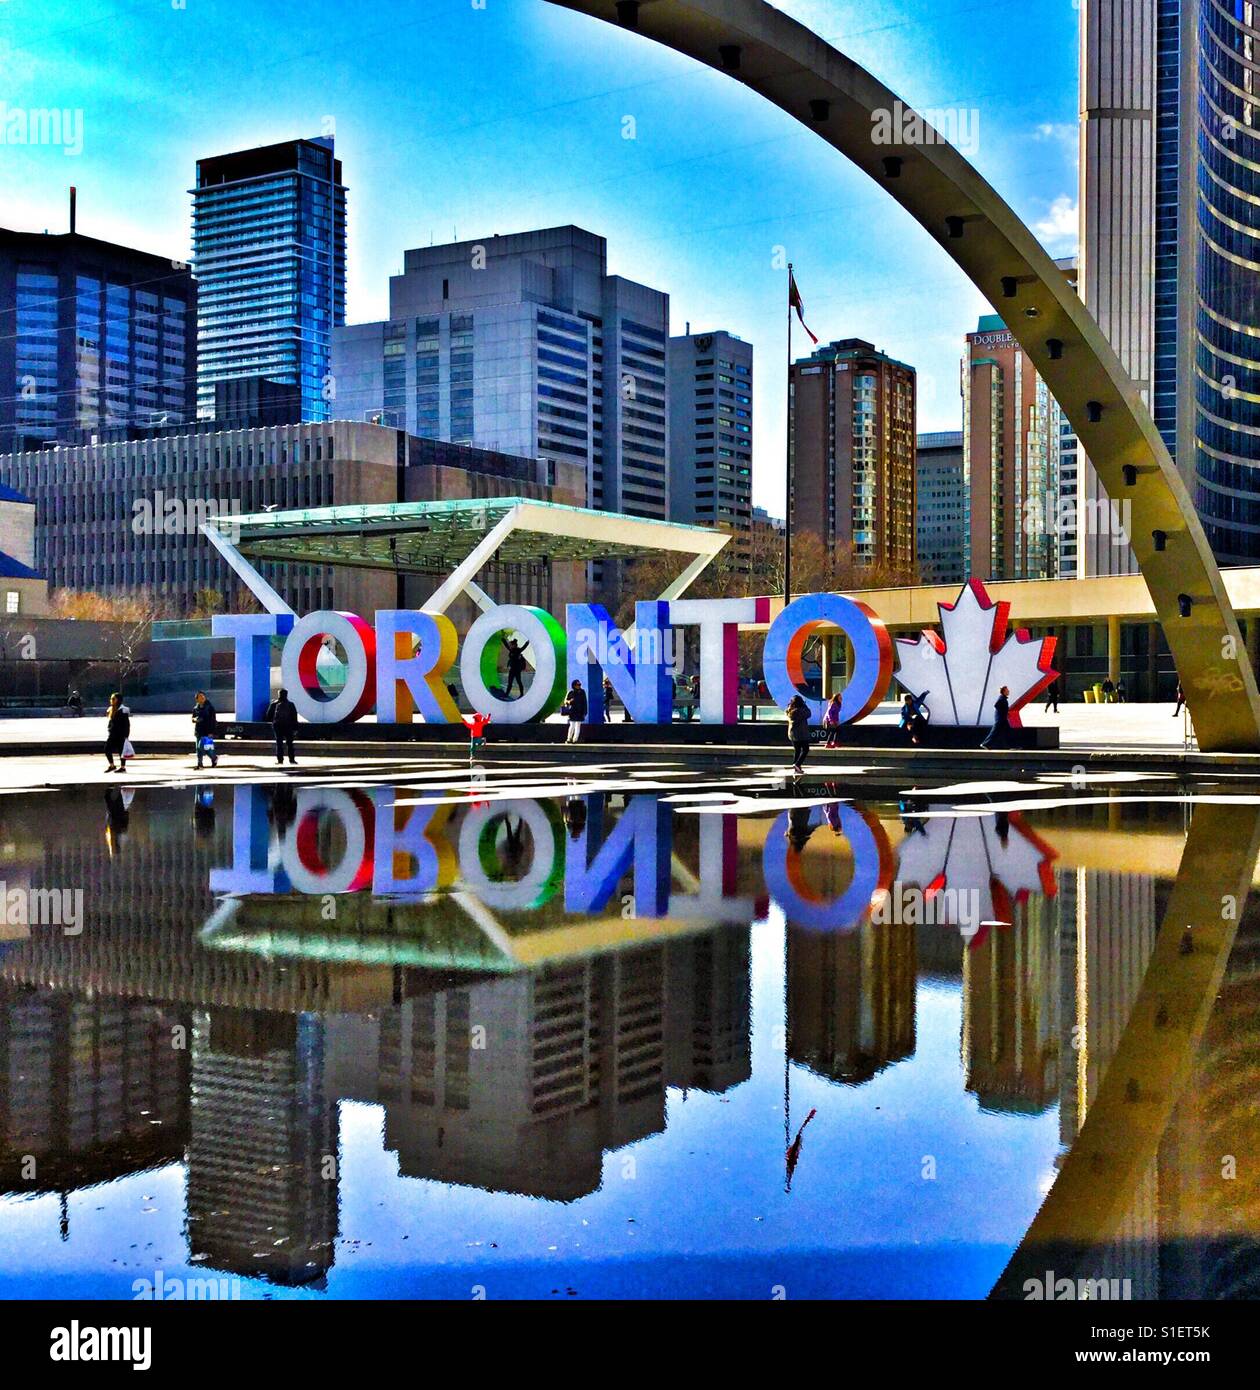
[995, 861]
[784, 869]
[521, 854]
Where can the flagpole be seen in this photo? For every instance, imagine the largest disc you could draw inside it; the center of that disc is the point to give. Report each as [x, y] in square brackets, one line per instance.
[787, 458]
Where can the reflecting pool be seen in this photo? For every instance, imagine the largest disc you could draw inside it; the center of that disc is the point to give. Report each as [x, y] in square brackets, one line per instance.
[636, 1040]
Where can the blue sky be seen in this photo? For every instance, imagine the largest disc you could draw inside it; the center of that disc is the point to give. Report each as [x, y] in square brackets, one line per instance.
[471, 117]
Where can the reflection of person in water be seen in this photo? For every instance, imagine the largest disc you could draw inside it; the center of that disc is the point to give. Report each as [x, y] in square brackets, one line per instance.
[913, 824]
[514, 845]
[282, 807]
[832, 813]
[117, 818]
[203, 813]
[575, 816]
[1002, 825]
[800, 826]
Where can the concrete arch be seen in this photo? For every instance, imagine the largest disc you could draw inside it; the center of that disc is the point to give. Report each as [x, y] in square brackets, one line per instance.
[828, 92]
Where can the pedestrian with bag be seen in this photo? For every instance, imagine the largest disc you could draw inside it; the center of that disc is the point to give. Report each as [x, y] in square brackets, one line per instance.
[575, 709]
[205, 721]
[117, 734]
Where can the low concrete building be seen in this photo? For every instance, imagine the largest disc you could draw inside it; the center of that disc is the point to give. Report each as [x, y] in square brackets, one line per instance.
[126, 515]
[23, 589]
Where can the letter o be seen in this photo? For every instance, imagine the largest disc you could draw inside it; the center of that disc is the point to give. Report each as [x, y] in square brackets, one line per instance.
[872, 873]
[538, 884]
[872, 647]
[301, 678]
[300, 853]
[479, 662]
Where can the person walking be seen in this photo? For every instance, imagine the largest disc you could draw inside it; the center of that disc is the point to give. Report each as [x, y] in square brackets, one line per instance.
[205, 721]
[1052, 696]
[831, 721]
[516, 664]
[798, 732]
[1109, 691]
[999, 734]
[1181, 700]
[75, 704]
[282, 715]
[117, 732]
[575, 707]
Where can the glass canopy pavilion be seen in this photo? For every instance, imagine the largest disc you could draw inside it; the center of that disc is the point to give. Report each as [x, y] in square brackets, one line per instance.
[456, 538]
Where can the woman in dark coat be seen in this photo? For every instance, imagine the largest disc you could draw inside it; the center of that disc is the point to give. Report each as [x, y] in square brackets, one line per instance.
[117, 732]
[798, 731]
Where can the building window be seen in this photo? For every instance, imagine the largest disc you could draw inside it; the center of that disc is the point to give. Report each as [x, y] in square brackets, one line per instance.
[11, 601]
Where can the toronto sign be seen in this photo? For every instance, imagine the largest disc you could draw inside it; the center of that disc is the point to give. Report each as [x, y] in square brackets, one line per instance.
[400, 665]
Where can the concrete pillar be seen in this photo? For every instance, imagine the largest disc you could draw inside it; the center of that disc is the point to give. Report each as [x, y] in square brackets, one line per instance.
[1113, 648]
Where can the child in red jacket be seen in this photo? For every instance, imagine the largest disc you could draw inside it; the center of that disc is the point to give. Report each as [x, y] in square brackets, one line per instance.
[476, 726]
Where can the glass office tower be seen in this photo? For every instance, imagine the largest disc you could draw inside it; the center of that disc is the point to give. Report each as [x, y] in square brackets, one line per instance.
[93, 337]
[269, 249]
[1226, 353]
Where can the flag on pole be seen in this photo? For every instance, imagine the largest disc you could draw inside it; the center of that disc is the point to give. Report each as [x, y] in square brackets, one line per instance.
[795, 301]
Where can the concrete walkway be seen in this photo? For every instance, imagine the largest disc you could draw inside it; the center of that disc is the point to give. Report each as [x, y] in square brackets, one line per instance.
[1149, 727]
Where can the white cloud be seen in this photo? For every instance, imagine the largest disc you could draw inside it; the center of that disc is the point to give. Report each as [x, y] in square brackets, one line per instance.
[1062, 223]
[1063, 132]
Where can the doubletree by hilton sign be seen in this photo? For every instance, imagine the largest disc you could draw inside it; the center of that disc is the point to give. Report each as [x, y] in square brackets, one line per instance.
[400, 665]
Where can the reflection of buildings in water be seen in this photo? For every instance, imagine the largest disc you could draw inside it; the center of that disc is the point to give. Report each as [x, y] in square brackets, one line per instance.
[521, 1084]
[1011, 1025]
[1109, 924]
[851, 999]
[144, 910]
[90, 1089]
[262, 1176]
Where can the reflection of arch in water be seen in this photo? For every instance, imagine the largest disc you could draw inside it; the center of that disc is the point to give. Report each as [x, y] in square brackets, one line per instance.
[482, 869]
[1153, 1062]
[872, 869]
[830, 94]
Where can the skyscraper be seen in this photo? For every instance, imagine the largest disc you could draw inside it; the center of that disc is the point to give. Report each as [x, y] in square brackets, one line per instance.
[941, 512]
[269, 247]
[710, 431]
[92, 336]
[852, 440]
[523, 344]
[1170, 223]
[1011, 449]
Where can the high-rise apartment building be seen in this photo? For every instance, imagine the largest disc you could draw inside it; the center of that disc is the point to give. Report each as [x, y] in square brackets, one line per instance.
[92, 336]
[1170, 224]
[941, 513]
[852, 442]
[523, 344]
[1011, 451]
[269, 247]
[710, 431]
